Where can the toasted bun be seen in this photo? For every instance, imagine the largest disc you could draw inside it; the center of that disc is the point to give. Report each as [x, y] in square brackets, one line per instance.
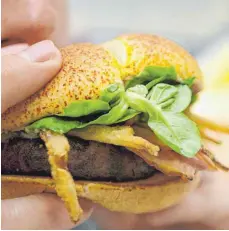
[96, 66]
[154, 194]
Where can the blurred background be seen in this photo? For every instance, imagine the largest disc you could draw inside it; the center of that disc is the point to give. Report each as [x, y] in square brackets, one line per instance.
[201, 26]
[193, 24]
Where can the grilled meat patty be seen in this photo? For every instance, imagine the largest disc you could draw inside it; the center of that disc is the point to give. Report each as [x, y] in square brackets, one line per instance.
[88, 160]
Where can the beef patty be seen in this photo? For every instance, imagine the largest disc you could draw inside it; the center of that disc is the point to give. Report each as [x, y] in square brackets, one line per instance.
[88, 160]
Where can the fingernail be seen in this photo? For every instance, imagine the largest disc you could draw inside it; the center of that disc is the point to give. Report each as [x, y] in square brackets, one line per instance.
[40, 52]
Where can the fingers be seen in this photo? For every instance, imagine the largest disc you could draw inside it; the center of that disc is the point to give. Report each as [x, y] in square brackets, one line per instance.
[209, 200]
[14, 49]
[187, 212]
[43, 211]
[26, 72]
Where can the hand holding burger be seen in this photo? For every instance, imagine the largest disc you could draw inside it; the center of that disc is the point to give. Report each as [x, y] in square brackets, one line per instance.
[207, 207]
[113, 126]
[24, 71]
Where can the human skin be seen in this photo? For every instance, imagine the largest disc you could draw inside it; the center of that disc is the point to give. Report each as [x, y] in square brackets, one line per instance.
[30, 21]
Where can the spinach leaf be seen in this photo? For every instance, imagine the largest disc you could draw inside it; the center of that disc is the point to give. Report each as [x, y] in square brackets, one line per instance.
[177, 131]
[129, 114]
[81, 108]
[189, 81]
[112, 93]
[56, 124]
[139, 89]
[151, 73]
[113, 115]
[171, 98]
[63, 125]
[182, 100]
[162, 92]
[160, 80]
[85, 107]
[172, 128]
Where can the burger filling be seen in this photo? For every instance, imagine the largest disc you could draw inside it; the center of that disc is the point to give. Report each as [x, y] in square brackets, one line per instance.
[95, 139]
[88, 160]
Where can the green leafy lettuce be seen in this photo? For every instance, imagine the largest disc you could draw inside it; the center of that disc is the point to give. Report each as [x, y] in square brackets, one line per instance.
[85, 107]
[170, 126]
[154, 95]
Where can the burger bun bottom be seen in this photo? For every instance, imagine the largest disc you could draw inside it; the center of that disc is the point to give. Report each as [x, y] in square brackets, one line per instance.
[153, 194]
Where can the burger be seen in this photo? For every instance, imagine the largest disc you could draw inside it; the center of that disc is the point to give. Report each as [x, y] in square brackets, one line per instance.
[113, 126]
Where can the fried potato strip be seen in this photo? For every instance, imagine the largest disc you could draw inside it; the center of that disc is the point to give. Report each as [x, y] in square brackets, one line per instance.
[58, 147]
[117, 135]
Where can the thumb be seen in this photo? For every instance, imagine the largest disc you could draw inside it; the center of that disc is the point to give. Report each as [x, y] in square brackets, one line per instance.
[41, 211]
[26, 72]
